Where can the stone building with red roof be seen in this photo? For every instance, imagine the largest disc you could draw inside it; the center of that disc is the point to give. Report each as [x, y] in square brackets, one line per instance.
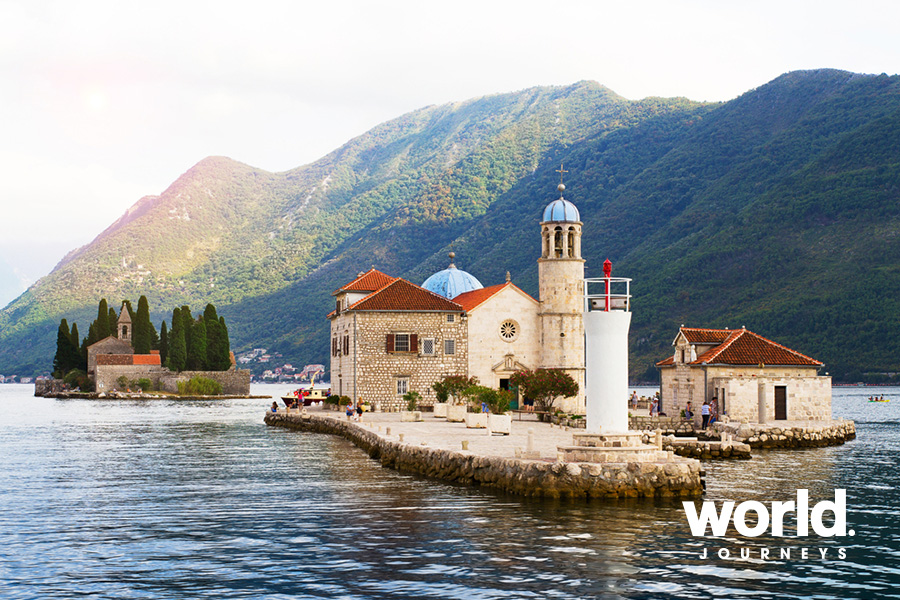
[751, 378]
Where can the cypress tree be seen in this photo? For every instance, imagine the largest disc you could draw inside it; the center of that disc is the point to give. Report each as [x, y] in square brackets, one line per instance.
[101, 325]
[214, 341]
[177, 355]
[197, 353]
[154, 337]
[163, 343]
[226, 345]
[63, 342]
[187, 322]
[113, 320]
[140, 337]
[79, 357]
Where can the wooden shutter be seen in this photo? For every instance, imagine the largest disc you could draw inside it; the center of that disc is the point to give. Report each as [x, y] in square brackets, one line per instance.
[346, 344]
[413, 342]
[390, 342]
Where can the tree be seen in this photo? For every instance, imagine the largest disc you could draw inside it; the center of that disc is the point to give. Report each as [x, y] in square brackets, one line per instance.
[218, 349]
[77, 347]
[544, 385]
[101, 325]
[140, 327]
[196, 360]
[451, 387]
[187, 322]
[113, 322]
[163, 343]
[177, 355]
[225, 352]
[66, 356]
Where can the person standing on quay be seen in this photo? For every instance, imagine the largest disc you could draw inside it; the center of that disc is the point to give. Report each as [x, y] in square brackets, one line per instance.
[704, 412]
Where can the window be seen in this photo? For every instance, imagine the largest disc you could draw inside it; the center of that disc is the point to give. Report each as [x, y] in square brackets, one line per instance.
[401, 342]
[428, 346]
[509, 330]
[402, 385]
[451, 318]
[346, 345]
[449, 346]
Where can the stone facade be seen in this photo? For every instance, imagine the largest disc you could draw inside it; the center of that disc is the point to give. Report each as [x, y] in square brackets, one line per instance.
[495, 351]
[363, 368]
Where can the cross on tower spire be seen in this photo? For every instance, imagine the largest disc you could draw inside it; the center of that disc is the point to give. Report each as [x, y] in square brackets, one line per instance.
[561, 187]
[560, 170]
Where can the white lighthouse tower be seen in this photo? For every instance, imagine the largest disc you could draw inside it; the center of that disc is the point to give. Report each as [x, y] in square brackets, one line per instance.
[607, 319]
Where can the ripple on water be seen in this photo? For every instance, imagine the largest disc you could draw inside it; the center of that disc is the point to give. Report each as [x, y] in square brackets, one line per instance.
[200, 500]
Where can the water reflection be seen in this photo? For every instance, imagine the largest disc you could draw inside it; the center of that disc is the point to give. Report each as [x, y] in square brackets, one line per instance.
[176, 500]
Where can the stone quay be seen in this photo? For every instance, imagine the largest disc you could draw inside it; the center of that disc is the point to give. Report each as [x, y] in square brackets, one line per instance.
[530, 461]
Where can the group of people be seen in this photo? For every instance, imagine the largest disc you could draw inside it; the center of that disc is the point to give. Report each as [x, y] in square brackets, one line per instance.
[709, 412]
[354, 414]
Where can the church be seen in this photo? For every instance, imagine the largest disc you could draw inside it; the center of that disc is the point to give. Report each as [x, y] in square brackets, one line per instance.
[390, 336]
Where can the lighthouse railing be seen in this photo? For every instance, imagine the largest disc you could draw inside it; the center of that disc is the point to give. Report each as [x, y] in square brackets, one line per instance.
[607, 294]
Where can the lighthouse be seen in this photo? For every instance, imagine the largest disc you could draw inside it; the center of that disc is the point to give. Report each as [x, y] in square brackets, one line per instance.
[607, 319]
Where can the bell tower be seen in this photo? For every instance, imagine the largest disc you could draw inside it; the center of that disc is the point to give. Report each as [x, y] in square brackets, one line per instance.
[561, 283]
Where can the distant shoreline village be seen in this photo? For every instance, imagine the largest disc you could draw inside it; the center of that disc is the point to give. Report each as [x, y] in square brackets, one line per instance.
[394, 344]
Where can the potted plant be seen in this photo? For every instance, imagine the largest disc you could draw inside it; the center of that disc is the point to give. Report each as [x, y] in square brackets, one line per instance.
[454, 387]
[499, 420]
[442, 396]
[412, 401]
[477, 415]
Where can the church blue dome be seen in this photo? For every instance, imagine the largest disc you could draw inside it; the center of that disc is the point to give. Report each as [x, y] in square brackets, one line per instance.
[561, 210]
[451, 282]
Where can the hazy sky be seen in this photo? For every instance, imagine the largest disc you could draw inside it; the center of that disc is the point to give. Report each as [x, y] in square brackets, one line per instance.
[105, 102]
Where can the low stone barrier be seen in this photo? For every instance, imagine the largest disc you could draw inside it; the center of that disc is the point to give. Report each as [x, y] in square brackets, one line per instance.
[701, 449]
[786, 435]
[514, 475]
[668, 425]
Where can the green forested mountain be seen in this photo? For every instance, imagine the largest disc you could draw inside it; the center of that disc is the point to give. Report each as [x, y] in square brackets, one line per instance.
[779, 210]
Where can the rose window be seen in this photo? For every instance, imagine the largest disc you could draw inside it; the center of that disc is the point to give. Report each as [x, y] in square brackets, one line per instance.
[509, 330]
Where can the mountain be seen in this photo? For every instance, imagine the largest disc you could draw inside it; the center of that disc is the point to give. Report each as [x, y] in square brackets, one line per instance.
[777, 210]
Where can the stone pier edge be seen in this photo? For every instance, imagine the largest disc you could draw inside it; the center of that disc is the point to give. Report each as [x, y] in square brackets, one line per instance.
[533, 478]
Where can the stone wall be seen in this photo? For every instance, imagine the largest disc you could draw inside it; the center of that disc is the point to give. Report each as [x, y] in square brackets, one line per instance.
[106, 376]
[802, 435]
[376, 372]
[513, 475]
[234, 382]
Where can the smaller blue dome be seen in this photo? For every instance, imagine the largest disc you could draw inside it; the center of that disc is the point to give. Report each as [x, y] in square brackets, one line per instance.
[561, 210]
[451, 282]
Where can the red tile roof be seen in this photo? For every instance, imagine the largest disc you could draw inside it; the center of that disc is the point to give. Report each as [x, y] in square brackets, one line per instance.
[401, 295]
[471, 299]
[696, 335]
[370, 281]
[741, 347]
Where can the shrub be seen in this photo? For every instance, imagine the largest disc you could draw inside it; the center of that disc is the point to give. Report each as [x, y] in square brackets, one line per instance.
[76, 378]
[333, 399]
[200, 386]
[452, 387]
[123, 383]
[412, 399]
[144, 383]
[498, 401]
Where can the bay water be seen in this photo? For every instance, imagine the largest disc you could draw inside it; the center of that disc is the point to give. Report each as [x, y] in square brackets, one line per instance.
[199, 499]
